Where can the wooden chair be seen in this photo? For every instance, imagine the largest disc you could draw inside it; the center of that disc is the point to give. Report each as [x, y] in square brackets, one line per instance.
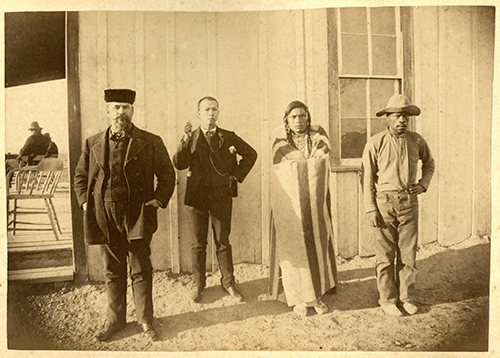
[34, 183]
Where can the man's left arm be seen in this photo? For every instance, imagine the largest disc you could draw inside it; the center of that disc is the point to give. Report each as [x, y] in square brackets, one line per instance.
[164, 171]
[428, 165]
[248, 158]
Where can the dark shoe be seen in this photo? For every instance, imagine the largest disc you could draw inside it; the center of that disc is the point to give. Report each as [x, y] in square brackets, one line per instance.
[233, 292]
[195, 294]
[149, 331]
[108, 331]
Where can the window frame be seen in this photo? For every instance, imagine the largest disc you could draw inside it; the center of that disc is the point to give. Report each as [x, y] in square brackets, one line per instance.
[404, 79]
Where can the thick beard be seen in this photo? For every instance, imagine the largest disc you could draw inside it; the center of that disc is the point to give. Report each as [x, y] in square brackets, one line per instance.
[123, 125]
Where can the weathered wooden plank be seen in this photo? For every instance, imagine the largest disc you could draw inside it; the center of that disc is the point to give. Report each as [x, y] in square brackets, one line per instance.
[159, 101]
[456, 156]
[265, 145]
[39, 245]
[365, 231]
[172, 142]
[56, 274]
[427, 124]
[317, 61]
[333, 85]
[483, 50]
[347, 220]
[191, 83]
[40, 259]
[121, 59]
[238, 77]
[75, 142]
[281, 67]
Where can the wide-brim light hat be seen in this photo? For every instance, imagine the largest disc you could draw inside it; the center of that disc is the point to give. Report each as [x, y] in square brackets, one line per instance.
[399, 103]
[34, 126]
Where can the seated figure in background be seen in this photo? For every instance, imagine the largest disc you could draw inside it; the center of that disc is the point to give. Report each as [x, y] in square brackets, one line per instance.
[35, 147]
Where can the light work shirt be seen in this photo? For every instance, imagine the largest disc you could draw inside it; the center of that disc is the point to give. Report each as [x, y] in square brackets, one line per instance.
[390, 163]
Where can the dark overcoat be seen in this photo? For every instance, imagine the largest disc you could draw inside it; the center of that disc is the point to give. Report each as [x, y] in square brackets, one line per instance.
[193, 155]
[146, 158]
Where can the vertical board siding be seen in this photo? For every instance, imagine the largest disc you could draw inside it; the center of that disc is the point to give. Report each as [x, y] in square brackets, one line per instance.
[75, 143]
[153, 117]
[483, 42]
[191, 84]
[333, 85]
[265, 154]
[237, 58]
[347, 212]
[281, 67]
[255, 64]
[365, 246]
[172, 141]
[456, 156]
[92, 35]
[317, 66]
[121, 50]
[427, 98]
[140, 84]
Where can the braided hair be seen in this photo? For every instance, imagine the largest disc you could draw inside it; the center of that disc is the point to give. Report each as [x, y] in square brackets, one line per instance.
[289, 131]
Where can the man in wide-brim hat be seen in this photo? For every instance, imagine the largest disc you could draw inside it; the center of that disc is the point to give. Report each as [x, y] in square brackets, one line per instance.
[390, 186]
[35, 145]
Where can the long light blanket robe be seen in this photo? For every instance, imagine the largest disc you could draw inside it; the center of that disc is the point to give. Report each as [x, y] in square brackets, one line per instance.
[302, 255]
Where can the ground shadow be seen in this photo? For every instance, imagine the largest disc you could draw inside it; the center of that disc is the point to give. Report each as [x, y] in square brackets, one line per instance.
[445, 277]
[450, 276]
[252, 306]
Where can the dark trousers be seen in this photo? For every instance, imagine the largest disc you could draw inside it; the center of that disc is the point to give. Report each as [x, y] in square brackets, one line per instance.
[396, 246]
[115, 255]
[215, 203]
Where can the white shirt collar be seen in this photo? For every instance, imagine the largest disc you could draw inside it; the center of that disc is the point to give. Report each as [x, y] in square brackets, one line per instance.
[205, 131]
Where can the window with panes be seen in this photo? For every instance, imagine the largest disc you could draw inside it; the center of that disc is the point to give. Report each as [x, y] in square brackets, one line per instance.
[370, 71]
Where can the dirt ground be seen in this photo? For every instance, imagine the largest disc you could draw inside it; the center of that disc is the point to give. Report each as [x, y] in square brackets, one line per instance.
[452, 292]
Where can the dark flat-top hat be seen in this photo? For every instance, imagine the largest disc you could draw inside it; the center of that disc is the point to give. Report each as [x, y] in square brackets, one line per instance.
[34, 126]
[119, 95]
[399, 103]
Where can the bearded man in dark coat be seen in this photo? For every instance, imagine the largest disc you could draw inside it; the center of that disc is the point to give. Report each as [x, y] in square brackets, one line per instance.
[115, 187]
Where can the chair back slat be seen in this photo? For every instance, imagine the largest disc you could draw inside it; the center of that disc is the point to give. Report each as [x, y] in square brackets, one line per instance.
[38, 180]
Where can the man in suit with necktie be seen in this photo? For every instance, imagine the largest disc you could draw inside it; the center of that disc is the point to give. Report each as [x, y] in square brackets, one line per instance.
[210, 155]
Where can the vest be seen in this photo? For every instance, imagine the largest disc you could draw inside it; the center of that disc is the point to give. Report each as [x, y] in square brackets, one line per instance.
[115, 187]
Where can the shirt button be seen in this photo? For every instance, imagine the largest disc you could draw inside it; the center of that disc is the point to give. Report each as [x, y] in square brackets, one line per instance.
[137, 173]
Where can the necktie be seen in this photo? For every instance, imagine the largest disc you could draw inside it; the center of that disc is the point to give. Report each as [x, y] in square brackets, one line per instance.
[117, 135]
[211, 138]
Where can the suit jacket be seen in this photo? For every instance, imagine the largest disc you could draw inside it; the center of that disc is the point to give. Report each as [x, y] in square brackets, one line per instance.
[146, 158]
[192, 154]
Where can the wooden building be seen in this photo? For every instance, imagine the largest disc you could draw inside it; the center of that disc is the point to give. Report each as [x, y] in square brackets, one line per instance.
[343, 62]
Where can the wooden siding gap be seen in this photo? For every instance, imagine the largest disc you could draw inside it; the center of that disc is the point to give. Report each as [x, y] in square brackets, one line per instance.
[300, 55]
[170, 100]
[265, 146]
[102, 67]
[212, 90]
[139, 106]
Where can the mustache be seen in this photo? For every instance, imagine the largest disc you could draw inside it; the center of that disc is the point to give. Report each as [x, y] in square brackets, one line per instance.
[122, 116]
